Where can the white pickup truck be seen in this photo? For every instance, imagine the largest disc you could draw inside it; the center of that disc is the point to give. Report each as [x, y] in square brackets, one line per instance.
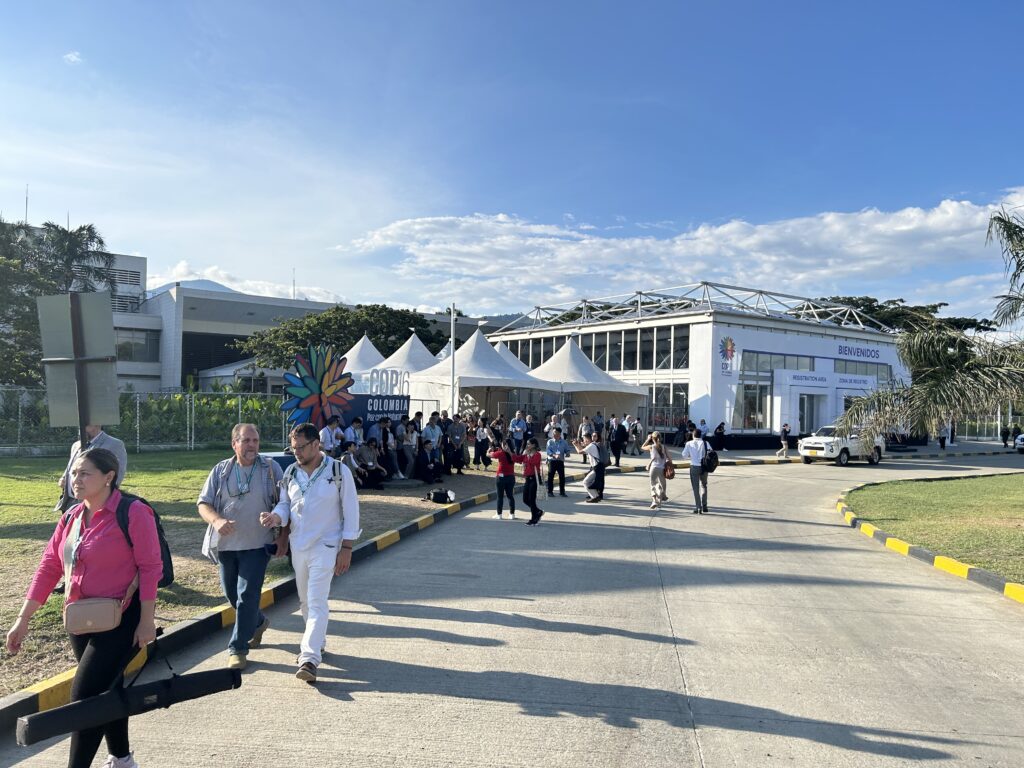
[826, 445]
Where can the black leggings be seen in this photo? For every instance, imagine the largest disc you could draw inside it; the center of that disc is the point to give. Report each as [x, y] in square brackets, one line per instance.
[506, 487]
[530, 495]
[101, 660]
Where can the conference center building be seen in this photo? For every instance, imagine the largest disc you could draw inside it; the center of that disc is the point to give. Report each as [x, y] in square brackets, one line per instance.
[750, 358]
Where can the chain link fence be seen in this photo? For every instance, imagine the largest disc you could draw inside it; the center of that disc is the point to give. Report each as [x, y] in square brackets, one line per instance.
[150, 421]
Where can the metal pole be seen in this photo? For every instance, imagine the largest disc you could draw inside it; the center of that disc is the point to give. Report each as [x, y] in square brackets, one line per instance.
[452, 413]
[21, 397]
[81, 387]
[138, 426]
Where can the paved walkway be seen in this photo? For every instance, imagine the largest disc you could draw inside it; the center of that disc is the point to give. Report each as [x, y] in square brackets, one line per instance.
[763, 633]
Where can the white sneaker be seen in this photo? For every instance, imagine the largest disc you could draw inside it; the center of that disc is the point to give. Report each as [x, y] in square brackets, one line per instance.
[497, 516]
[399, 476]
[121, 762]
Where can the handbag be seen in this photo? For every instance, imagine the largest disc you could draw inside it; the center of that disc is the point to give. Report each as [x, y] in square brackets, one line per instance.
[670, 469]
[91, 614]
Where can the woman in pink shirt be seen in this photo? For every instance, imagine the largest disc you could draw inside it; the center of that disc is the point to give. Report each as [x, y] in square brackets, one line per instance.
[531, 461]
[104, 566]
[505, 478]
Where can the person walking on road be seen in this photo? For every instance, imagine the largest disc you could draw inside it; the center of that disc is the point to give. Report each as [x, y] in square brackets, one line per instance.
[557, 449]
[531, 461]
[695, 451]
[236, 493]
[618, 438]
[318, 500]
[784, 448]
[97, 560]
[594, 481]
[505, 478]
[656, 467]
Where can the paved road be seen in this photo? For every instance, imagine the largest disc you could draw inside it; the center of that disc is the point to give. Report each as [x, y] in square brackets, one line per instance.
[765, 633]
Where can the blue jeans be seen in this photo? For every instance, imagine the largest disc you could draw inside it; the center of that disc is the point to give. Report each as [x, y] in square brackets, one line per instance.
[241, 577]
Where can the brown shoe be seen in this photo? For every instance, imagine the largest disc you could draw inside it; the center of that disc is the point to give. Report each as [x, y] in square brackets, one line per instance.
[307, 672]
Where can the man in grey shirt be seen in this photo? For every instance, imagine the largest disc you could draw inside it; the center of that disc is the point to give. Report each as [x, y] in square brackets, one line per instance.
[97, 439]
[237, 491]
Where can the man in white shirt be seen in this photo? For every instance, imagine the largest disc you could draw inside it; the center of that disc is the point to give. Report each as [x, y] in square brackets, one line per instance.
[354, 432]
[324, 520]
[695, 451]
[328, 443]
[594, 481]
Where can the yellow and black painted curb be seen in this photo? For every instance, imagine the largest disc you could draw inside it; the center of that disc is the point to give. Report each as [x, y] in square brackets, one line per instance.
[948, 564]
[948, 454]
[56, 691]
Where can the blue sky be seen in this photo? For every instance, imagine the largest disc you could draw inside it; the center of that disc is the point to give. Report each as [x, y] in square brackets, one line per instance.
[505, 155]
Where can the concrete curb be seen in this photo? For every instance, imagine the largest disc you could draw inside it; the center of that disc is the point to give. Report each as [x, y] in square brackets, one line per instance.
[965, 571]
[56, 691]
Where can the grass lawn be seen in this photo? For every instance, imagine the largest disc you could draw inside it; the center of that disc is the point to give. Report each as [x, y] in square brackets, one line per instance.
[977, 520]
[171, 481]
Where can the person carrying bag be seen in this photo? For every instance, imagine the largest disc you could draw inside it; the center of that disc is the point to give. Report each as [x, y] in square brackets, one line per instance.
[111, 594]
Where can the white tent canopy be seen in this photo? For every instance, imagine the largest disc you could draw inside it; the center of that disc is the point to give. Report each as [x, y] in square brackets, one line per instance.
[571, 366]
[363, 356]
[482, 378]
[411, 357]
[445, 352]
[589, 388]
[509, 357]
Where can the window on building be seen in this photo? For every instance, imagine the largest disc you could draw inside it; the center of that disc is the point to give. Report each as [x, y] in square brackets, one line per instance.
[545, 348]
[881, 371]
[137, 346]
[559, 342]
[646, 349]
[662, 395]
[681, 398]
[663, 348]
[587, 344]
[615, 351]
[601, 351]
[751, 411]
[681, 346]
[629, 350]
[766, 362]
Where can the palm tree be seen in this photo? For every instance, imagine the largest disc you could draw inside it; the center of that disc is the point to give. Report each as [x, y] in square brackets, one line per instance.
[1008, 229]
[75, 259]
[954, 373]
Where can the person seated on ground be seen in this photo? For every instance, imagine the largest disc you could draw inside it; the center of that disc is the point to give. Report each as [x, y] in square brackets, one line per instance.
[428, 468]
[348, 458]
[368, 458]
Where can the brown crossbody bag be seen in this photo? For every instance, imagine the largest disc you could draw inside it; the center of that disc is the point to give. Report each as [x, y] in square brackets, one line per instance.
[89, 614]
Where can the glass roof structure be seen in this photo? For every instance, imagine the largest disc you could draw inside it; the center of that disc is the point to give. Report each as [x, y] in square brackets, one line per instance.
[689, 299]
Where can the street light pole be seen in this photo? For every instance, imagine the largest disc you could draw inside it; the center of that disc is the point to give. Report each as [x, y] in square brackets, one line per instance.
[452, 413]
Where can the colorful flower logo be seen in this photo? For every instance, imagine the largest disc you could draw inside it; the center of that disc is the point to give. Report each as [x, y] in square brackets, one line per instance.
[320, 390]
[727, 349]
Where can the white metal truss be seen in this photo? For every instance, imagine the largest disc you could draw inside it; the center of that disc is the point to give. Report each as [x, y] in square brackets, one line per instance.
[687, 299]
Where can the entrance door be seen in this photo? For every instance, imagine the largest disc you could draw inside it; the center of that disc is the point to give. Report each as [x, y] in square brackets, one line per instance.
[810, 410]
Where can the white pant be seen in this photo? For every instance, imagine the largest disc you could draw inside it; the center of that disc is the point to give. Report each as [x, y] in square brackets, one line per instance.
[314, 569]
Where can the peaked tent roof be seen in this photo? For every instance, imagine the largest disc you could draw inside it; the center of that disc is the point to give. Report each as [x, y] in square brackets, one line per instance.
[478, 364]
[510, 357]
[571, 366]
[446, 350]
[412, 356]
[363, 356]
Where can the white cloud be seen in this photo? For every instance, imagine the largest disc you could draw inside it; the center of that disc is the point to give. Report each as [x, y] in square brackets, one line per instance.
[184, 271]
[72, 57]
[497, 263]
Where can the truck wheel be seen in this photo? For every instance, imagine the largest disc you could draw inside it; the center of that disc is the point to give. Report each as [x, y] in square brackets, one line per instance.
[844, 458]
[807, 459]
[877, 454]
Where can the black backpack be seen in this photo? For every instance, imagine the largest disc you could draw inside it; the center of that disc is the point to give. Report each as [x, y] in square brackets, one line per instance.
[710, 461]
[440, 496]
[165, 550]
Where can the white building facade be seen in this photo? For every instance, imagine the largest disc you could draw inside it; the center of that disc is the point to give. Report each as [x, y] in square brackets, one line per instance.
[752, 359]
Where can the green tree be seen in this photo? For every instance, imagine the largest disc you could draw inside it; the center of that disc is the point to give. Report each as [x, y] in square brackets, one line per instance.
[74, 259]
[900, 316]
[20, 283]
[341, 327]
[956, 371]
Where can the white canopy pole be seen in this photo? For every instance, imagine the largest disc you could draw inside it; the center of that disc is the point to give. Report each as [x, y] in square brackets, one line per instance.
[452, 412]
